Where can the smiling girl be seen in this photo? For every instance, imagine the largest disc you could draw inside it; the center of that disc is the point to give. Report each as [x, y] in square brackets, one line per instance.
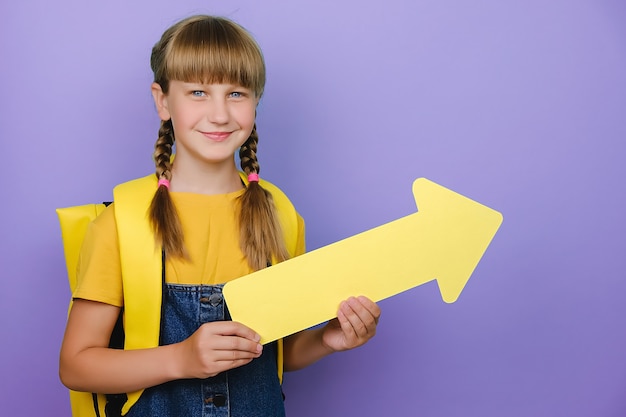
[210, 223]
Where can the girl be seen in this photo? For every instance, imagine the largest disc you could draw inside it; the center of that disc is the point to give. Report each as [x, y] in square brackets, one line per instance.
[211, 224]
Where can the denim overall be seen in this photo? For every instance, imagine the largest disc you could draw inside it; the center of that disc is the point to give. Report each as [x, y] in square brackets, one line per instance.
[252, 390]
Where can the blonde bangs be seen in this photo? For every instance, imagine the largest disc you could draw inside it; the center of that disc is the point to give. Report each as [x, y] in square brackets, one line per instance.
[215, 51]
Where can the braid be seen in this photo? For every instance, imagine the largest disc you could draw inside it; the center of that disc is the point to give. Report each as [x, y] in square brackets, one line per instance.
[261, 237]
[163, 151]
[247, 153]
[163, 216]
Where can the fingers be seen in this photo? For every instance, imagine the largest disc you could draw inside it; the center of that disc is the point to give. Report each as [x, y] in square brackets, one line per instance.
[358, 318]
[218, 346]
[361, 312]
[230, 340]
[371, 306]
[232, 329]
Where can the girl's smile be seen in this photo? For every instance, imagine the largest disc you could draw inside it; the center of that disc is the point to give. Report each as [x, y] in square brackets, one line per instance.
[217, 136]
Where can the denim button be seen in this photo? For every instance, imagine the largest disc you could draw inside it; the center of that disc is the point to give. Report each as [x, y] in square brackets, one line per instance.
[215, 299]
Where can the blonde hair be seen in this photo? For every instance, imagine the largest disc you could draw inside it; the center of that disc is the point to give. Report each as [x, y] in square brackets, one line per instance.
[210, 49]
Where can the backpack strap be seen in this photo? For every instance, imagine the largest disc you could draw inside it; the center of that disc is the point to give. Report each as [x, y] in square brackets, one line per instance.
[140, 260]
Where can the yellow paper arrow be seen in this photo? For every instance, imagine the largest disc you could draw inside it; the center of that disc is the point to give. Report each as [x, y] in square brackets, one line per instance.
[444, 240]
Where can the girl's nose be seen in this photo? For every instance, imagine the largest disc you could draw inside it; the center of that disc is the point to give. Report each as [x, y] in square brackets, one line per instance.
[217, 112]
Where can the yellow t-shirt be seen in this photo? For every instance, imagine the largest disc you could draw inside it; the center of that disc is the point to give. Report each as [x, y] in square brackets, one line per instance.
[211, 236]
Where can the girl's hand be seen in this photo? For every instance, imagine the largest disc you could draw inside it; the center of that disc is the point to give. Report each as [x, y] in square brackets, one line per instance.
[217, 347]
[355, 324]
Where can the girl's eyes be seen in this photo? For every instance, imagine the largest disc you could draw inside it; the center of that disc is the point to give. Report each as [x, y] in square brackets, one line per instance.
[234, 94]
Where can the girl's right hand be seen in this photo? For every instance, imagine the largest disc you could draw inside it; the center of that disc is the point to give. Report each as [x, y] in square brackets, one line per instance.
[217, 347]
[88, 364]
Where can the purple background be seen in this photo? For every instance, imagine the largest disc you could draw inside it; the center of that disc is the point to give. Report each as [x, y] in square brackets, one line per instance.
[520, 105]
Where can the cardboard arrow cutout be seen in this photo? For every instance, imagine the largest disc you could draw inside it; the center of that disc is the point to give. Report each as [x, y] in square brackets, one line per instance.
[444, 240]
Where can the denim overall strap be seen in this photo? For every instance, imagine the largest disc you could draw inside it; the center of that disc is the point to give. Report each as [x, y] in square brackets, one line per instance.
[252, 390]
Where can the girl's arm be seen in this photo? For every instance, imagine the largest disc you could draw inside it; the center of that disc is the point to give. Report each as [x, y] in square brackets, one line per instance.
[88, 364]
[355, 324]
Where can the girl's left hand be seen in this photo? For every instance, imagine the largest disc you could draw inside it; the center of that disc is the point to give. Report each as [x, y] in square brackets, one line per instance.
[355, 324]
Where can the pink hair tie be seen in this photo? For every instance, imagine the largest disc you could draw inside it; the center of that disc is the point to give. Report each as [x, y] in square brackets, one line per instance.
[253, 177]
[165, 182]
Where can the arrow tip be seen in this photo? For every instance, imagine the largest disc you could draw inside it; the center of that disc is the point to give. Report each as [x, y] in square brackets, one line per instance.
[464, 229]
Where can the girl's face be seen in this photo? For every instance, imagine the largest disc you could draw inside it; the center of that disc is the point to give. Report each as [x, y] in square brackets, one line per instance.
[211, 121]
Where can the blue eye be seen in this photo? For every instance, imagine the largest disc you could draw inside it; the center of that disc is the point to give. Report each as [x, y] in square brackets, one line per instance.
[236, 94]
[197, 93]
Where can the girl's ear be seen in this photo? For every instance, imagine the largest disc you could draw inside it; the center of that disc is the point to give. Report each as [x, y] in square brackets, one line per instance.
[160, 101]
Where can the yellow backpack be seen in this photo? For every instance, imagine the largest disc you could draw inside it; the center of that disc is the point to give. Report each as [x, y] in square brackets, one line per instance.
[142, 292]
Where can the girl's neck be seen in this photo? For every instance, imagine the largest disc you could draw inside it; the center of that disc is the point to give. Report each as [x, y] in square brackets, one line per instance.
[205, 178]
